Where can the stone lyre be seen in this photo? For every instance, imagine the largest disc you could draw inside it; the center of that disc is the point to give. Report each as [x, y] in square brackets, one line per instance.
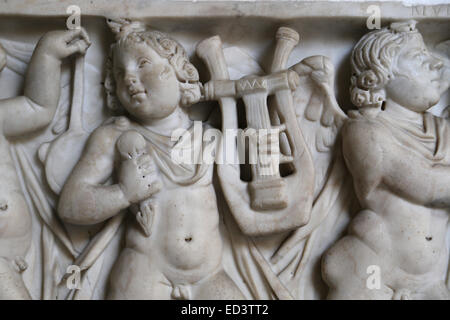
[269, 192]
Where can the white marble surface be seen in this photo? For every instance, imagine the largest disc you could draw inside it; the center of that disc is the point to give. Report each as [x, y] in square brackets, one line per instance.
[249, 257]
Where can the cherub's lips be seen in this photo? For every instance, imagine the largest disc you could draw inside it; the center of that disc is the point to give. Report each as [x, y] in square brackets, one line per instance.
[138, 94]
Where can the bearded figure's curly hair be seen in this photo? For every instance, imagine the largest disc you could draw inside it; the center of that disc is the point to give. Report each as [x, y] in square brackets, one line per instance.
[131, 32]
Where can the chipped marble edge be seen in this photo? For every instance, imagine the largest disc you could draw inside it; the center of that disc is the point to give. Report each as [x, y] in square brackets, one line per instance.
[284, 9]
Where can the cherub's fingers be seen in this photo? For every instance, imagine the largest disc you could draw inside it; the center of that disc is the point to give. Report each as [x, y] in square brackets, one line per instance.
[84, 35]
[140, 152]
[328, 67]
[79, 46]
[319, 76]
[71, 35]
[74, 34]
[137, 154]
[70, 50]
[83, 45]
[302, 69]
[147, 166]
[150, 171]
[143, 158]
[147, 209]
[134, 154]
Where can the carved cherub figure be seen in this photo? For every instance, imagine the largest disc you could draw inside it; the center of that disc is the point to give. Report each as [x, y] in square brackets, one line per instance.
[399, 157]
[174, 249]
[21, 116]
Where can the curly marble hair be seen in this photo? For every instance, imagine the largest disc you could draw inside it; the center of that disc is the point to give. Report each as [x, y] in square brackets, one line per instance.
[131, 32]
[372, 62]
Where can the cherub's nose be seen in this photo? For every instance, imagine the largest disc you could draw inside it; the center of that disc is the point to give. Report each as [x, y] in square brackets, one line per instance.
[130, 79]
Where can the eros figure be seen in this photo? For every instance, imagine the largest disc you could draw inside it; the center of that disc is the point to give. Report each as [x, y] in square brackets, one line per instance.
[399, 157]
[20, 116]
[173, 246]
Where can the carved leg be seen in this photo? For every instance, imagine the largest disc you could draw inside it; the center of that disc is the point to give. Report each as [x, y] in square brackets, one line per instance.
[217, 287]
[11, 283]
[136, 277]
[437, 291]
[345, 270]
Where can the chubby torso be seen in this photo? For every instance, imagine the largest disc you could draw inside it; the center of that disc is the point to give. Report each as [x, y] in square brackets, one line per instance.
[185, 242]
[388, 183]
[417, 234]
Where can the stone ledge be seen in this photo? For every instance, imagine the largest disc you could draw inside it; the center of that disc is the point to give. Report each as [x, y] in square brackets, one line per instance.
[212, 9]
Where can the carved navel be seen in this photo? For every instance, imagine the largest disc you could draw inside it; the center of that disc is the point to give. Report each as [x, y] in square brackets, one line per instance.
[3, 205]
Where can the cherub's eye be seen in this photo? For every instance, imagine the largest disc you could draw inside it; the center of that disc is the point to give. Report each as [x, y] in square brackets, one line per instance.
[143, 63]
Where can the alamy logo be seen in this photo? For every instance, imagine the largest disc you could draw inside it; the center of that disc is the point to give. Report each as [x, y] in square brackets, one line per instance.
[374, 20]
[233, 146]
[73, 280]
[74, 20]
[374, 280]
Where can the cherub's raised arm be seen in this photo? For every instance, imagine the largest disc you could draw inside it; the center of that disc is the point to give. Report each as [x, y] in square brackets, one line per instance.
[36, 108]
[84, 199]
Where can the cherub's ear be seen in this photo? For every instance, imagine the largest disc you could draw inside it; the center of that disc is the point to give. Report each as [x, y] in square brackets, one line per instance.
[190, 93]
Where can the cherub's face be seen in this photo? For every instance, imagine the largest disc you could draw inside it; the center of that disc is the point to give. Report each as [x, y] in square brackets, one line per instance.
[146, 84]
[417, 77]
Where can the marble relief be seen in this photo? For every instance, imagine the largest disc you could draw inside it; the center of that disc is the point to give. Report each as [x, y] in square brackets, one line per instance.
[145, 161]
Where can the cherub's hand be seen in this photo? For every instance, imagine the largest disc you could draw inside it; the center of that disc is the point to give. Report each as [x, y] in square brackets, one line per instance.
[145, 216]
[63, 43]
[138, 177]
[320, 69]
[323, 75]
